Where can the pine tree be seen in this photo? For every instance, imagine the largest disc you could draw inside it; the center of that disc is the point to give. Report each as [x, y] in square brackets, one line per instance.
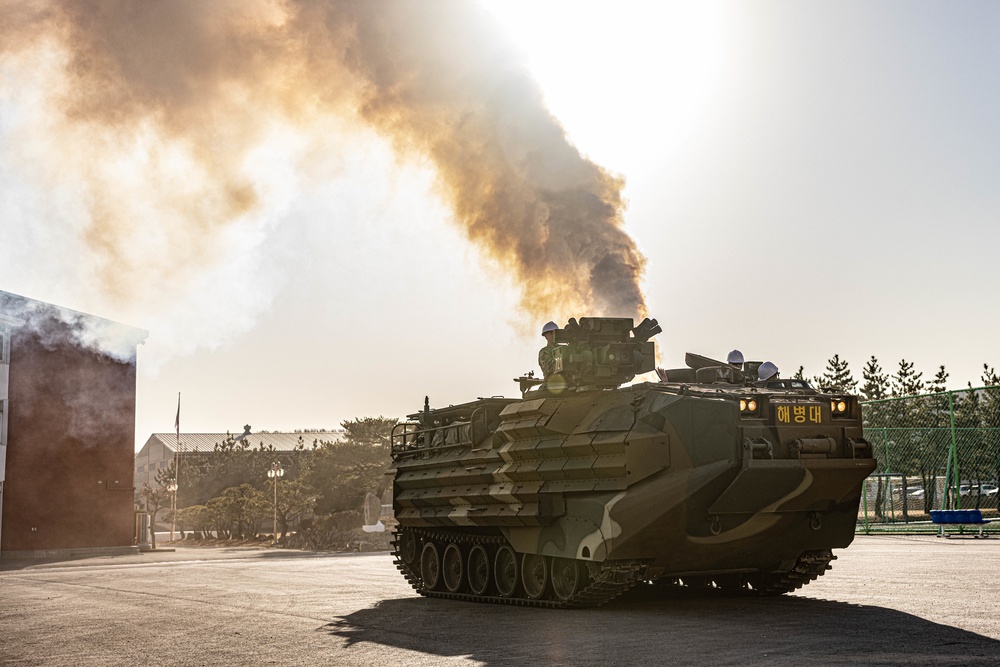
[341, 473]
[906, 382]
[799, 374]
[940, 382]
[990, 414]
[838, 375]
[876, 384]
[967, 408]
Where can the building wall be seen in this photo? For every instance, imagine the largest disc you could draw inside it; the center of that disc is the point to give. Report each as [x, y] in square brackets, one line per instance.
[152, 458]
[70, 441]
[5, 327]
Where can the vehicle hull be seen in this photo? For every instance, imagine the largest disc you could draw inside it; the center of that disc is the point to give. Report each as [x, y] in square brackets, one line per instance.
[675, 479]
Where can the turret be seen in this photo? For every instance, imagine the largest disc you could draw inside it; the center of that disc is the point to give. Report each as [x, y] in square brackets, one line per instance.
[604, 351]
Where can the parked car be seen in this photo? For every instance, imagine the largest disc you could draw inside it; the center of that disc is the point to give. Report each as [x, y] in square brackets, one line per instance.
[986, 489]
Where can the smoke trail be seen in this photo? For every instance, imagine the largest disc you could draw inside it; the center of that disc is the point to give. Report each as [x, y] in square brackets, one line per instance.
[158, 106]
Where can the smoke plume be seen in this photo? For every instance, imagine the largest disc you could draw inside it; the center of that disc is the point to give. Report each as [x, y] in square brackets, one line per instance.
[156, 108]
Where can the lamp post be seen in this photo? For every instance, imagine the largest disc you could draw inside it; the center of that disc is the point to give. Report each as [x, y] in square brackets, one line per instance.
[172, 488]
[274, 473]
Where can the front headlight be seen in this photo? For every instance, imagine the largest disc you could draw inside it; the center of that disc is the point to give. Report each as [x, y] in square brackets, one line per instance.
[748, 407]
[840, 407]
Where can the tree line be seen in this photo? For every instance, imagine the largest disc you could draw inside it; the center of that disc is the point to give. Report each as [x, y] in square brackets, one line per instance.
[877, 384]
[229, 493]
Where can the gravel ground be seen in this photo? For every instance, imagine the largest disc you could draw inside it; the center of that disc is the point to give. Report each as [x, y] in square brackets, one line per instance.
[888, 600]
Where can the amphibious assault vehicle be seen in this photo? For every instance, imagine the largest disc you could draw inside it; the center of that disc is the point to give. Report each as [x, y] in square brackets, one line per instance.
[582, 488]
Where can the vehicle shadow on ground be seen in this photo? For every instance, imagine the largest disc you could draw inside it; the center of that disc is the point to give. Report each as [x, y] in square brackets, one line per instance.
[647, 627]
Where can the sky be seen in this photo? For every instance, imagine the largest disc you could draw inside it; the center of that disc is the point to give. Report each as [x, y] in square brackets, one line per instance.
[803, 179]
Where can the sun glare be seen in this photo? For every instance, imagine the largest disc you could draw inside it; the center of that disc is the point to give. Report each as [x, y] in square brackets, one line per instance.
[612, 73]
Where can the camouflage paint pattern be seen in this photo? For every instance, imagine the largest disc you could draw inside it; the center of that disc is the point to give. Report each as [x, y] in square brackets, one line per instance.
[672, 474]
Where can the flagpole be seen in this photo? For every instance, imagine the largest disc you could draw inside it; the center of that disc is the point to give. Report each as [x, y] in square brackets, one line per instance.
[177, 469]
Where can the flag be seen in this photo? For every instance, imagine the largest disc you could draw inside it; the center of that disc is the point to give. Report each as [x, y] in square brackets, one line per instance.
[177, 420]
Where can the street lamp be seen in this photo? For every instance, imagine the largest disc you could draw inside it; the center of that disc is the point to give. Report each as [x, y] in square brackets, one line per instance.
[274, 473]
[172, 488]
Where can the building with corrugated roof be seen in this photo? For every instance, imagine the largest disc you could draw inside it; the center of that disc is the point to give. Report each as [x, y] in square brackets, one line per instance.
[67, 430]
[160, 449]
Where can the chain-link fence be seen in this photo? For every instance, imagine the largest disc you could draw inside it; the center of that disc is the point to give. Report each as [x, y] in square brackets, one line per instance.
[936, 451]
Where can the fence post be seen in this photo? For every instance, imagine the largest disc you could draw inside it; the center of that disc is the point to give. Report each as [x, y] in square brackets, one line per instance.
[953, 455]
[886, 490]
[885, 439]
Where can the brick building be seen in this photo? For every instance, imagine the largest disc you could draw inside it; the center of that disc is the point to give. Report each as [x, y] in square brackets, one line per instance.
[67, 430]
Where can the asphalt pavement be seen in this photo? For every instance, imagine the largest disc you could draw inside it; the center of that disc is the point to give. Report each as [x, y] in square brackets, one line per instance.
[888, 600]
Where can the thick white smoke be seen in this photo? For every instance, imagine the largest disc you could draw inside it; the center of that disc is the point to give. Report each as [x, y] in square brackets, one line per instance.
[149, 150]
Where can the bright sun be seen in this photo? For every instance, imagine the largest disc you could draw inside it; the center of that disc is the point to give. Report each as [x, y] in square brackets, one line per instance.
[611, 72]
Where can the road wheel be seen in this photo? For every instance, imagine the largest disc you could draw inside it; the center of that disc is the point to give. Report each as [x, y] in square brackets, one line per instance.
[534, 575]
[408, 547]
[505, 571]
[567, 577]
[430, 566]
[451, 568]
[479, 570]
